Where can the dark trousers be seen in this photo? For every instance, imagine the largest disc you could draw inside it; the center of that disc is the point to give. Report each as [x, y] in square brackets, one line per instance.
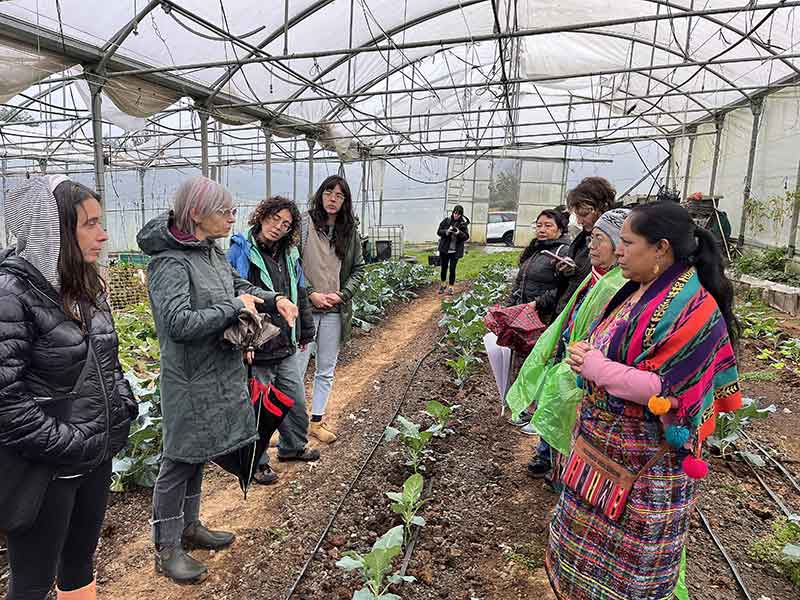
[452, 261]
[63, 539]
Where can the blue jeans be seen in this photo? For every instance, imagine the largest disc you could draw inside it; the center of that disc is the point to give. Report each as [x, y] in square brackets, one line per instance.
[288, 378]
[543, 452]
[326, 351]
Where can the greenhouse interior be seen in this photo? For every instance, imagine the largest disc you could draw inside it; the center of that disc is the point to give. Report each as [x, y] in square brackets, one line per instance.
[499, 107]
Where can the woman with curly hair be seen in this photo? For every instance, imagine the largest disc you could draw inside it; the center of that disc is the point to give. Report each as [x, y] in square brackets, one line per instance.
[268, 257]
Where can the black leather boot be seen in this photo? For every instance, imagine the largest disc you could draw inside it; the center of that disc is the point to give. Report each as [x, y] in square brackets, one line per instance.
[176, 564]
[197, 535]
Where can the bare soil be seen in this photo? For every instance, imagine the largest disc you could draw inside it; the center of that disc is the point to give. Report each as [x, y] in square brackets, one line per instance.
[486, 520]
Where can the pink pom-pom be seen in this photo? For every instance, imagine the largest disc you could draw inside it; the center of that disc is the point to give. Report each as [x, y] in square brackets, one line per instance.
[694, 467]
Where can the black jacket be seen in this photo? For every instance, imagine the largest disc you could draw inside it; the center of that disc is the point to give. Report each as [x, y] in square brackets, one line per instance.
[538, 279]
[282, 346]
[63, 397]
[461, 236]
[579, 252]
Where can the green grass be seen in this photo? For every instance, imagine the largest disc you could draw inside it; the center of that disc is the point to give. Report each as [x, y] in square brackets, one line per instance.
[475, 260]
[762, 375]
[529, 556]
[769, 549]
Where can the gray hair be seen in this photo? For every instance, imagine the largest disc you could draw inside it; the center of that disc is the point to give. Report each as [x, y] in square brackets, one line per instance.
[201, 195]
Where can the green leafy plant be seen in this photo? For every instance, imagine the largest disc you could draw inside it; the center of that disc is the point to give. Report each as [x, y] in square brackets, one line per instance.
[376, 565]
[408, 503]
[462, 320]
[781, 548]
[414, 441]
[385, 283]
[441, 414]
[759, 376]
[730, 426]
[766, 264]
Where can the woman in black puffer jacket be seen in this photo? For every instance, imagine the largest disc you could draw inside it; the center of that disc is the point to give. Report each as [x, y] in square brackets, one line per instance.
[63, 399]
[538, 279]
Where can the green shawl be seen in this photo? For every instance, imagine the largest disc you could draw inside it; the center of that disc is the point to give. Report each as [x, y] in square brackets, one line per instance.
[553, 384]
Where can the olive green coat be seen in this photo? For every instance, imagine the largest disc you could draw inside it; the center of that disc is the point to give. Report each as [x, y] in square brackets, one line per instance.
[204, 395]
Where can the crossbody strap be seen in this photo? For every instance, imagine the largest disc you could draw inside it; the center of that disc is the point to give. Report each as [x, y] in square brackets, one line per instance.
[662, 450]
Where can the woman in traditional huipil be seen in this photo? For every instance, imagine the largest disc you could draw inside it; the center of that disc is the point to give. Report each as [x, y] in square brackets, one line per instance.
[657, 368]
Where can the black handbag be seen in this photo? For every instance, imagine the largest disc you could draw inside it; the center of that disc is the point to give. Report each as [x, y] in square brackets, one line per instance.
[22, 491]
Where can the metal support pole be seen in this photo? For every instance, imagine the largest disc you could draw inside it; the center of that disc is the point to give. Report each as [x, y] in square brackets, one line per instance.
[756, 108]
[688, 164]
[203, 142]
[142, 206]
[718, 123]
[310, 142]
[565, 165]
[268, 159]
[294, 171]
[363, 195]
[218, 138]
[3, 184]
[795, 215]
[671, 144]
[96, 89]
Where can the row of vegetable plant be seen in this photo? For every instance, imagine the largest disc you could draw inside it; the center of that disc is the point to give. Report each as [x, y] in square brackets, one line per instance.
[462, 320]
[377, 567]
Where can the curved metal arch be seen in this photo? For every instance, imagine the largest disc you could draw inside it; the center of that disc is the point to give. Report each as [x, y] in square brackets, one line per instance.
[337, 110]
[298, 18]
[665, 3]
[387, 35]
[729, 27]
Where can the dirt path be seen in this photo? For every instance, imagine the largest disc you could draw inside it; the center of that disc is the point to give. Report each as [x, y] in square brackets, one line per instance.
[129, 572]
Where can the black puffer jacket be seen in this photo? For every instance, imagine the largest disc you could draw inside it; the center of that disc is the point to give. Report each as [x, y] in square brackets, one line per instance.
[538, 280]
[462, 235]
[63, 397]
[579, 252]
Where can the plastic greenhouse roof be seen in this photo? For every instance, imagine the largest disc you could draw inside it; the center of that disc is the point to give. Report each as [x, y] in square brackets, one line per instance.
[386, 77]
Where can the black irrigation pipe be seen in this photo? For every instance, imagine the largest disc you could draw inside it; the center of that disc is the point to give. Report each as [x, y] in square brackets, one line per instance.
[725, 555]
[363, 468]
[769, 490]
[774, 461]
[415, 536]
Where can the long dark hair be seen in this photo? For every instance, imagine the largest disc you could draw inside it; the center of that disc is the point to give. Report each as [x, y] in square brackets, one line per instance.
[81, 284]
[271, 206]
[562, 221]
[691, 245]
[345, 220]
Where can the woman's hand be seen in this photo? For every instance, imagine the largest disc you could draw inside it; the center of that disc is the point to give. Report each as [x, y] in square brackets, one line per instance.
[287, 310]
[319, 301]
[250, 302]
[334, 299]
[248, 356]
[576, 354]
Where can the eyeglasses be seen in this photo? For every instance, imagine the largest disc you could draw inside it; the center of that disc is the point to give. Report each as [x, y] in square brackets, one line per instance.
[338, 196]
[284, 225]
[227, 212]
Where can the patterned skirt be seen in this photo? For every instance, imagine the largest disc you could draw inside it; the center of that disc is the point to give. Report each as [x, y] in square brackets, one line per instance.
[591, 557]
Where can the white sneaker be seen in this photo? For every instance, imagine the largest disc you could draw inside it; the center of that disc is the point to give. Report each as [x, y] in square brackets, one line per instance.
[529, 429]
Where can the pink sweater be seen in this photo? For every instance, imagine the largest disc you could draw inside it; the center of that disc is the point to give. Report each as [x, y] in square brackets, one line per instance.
[622, 381]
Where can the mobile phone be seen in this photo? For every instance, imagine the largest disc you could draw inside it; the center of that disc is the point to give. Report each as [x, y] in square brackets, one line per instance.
[563, 259]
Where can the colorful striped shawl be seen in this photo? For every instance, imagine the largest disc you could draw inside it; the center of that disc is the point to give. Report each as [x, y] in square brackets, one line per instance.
[677, 330]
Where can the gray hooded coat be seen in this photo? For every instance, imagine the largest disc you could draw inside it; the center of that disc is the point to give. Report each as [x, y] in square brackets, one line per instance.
[204, 395]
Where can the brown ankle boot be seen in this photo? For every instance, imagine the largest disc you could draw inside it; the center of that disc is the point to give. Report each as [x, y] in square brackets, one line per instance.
[322, 433]
[87, 592]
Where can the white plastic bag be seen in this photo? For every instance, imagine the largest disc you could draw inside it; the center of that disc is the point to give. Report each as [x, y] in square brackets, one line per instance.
[500, 361]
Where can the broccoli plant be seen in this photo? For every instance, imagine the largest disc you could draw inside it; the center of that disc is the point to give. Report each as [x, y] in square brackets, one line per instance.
[414, 441]
[375, 566]
[441, 414]
[408, 503]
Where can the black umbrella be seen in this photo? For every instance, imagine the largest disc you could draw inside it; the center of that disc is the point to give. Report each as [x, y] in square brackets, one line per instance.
[270, 405]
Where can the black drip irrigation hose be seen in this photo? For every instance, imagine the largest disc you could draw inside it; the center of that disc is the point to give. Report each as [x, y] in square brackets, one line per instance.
[773, 460]
[725, 555]
[363, 468]
[770, 492]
